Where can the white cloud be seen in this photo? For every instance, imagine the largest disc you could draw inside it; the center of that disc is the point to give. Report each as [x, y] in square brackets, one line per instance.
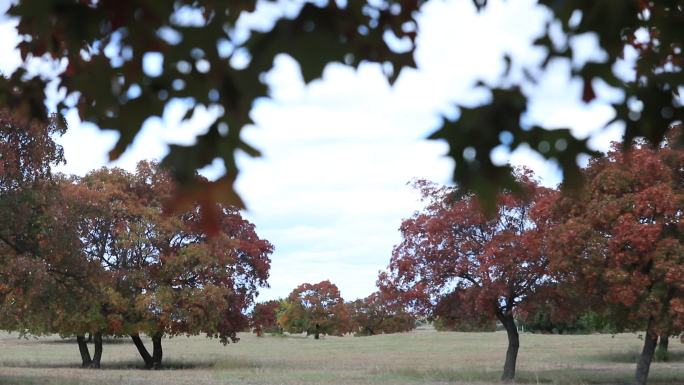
[11, 59]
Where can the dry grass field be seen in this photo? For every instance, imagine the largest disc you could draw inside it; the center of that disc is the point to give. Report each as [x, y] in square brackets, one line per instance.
[420, 357]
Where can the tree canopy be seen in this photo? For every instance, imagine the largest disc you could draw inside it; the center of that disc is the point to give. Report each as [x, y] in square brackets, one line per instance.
[166, 275]
[99, 254]
[264, 317]
[378, 314]
[454, 261]
[315, 309]
[45, 284]
[619, 241]
[101, 48]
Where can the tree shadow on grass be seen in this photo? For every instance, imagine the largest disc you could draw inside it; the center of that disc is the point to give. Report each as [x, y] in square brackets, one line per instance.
[633, 357]
[67, 341]
[170, 364]
[17, 380]
[117, 365]
[565, 376]
[166, 365]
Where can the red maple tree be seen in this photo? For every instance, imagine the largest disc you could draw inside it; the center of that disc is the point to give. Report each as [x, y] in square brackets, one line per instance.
[44, 285]
[264, 317]
[378, 314]
[315, 309]
[619, 240]
[165, 275]
[453, 255]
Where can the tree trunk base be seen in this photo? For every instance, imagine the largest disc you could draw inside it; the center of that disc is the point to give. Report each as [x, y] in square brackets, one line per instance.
[508, 322]
[86, 361]
[157, 351]
[142, 350]
[644, 363]
[154, 360]
[97, 355]
[661, 353]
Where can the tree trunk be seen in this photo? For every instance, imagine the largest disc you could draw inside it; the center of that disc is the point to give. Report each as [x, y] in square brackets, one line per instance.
[664, 342]
[157, 351]
[143, 351]
[83, 348]
[317, 332]
[644, 363]
[97, 355]
[513, 346]
[661, 353]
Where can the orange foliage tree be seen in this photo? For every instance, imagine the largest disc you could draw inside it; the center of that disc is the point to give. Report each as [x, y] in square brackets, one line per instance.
[100, 255]
[164, 274]
[485, 266]
[44, 282]
[376, 314]
[619, 241]
[264, 317]
[315, 309]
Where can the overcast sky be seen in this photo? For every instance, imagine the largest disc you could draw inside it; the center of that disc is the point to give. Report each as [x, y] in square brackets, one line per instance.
[331, 189]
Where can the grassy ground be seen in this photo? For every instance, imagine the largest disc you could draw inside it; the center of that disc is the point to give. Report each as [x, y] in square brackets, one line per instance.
[421, 357]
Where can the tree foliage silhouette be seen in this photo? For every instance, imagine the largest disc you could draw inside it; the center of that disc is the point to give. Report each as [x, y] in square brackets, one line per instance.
[102, 46]
[315, 309]
[619, 241]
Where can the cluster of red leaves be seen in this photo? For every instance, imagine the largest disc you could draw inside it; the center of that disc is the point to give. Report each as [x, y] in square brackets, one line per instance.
[163, 272]
[27, 150]
[620, 238]
[451, 250]
[614, 246]
[377, 314]
[315, 307]
[100, 253]
[264, 317]
[41, 268]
